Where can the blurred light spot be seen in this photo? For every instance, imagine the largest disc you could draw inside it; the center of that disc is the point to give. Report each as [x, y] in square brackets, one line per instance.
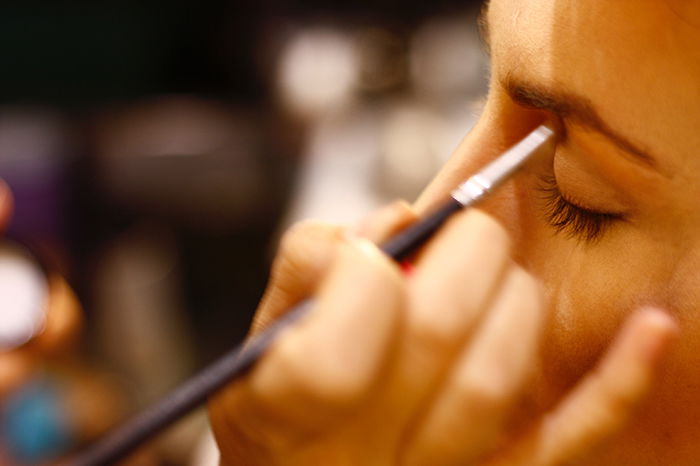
[318, 71]
[23, 295]
[334, 184]
[410, 148]
[447, 58]
[30, 140]
[35, 424]
[190, 158]
[383, 60]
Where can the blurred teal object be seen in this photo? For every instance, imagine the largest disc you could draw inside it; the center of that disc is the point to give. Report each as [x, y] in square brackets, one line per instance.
[35, 424]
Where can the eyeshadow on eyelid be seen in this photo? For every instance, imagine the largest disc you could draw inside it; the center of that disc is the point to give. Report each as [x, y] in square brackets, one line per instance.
[607, 161]
[580, 179]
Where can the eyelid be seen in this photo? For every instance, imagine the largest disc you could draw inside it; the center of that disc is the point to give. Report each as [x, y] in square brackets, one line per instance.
[582, 182]
[551, 182]
[574, 221]
[583, 205]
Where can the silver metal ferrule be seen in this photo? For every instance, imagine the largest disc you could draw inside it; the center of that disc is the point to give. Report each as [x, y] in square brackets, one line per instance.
[502, 167]
[471, 190]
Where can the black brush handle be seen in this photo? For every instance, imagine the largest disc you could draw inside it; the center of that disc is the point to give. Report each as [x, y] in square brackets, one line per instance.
[405, 243]
[234, 364]
[185, 398]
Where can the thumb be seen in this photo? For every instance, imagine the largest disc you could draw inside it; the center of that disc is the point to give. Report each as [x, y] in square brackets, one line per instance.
[306, 252]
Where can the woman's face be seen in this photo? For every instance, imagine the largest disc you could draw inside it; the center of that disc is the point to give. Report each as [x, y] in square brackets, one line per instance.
[612, 222]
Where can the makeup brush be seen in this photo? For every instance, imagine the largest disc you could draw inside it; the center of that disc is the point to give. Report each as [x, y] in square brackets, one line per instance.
[238, 361]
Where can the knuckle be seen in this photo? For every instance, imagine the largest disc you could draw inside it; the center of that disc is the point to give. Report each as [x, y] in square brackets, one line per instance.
[403, 210]
[305, 249]
[483, 393]
[302, 233]
[317, 378]
[434, 335]
[393, 210]
[440, 318]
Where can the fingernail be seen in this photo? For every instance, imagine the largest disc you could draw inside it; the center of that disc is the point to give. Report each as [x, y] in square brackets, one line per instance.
[359, 242]
[364, 226]
[376, 225]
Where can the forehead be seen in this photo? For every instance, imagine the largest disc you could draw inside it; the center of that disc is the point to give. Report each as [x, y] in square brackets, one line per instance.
[637, 61]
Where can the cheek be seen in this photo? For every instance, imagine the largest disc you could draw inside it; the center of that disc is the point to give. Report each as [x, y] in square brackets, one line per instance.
[589, 301]
[592, 289]
[587, 304]
[683, 301]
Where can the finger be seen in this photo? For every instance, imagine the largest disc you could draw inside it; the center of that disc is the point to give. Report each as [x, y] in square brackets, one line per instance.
[385, 222]
[452, 282]
[306, 251]
[320, 370]
[466, 419]
[456, 277]
[6, 204]
[604, 401]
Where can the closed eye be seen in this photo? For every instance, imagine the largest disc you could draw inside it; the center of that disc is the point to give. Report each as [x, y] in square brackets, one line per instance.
[571, 219]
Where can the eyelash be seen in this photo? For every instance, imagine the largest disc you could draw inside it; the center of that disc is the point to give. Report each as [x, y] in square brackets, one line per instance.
[571, 219]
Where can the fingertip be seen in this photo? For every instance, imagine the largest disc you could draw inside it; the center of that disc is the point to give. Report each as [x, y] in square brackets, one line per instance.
[658, 318]
[361, 252]
[381, 224]
[308, 238]
[655, 329]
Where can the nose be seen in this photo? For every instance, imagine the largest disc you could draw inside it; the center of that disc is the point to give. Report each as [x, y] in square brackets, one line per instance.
[502, 124]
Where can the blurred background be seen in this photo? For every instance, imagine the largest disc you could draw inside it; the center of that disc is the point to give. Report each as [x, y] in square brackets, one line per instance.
[157, 149]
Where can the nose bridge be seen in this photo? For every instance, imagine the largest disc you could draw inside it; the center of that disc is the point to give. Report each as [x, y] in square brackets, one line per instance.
[501, 125]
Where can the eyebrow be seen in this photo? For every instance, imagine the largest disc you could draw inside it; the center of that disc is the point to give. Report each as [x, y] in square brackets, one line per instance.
[573, 108]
